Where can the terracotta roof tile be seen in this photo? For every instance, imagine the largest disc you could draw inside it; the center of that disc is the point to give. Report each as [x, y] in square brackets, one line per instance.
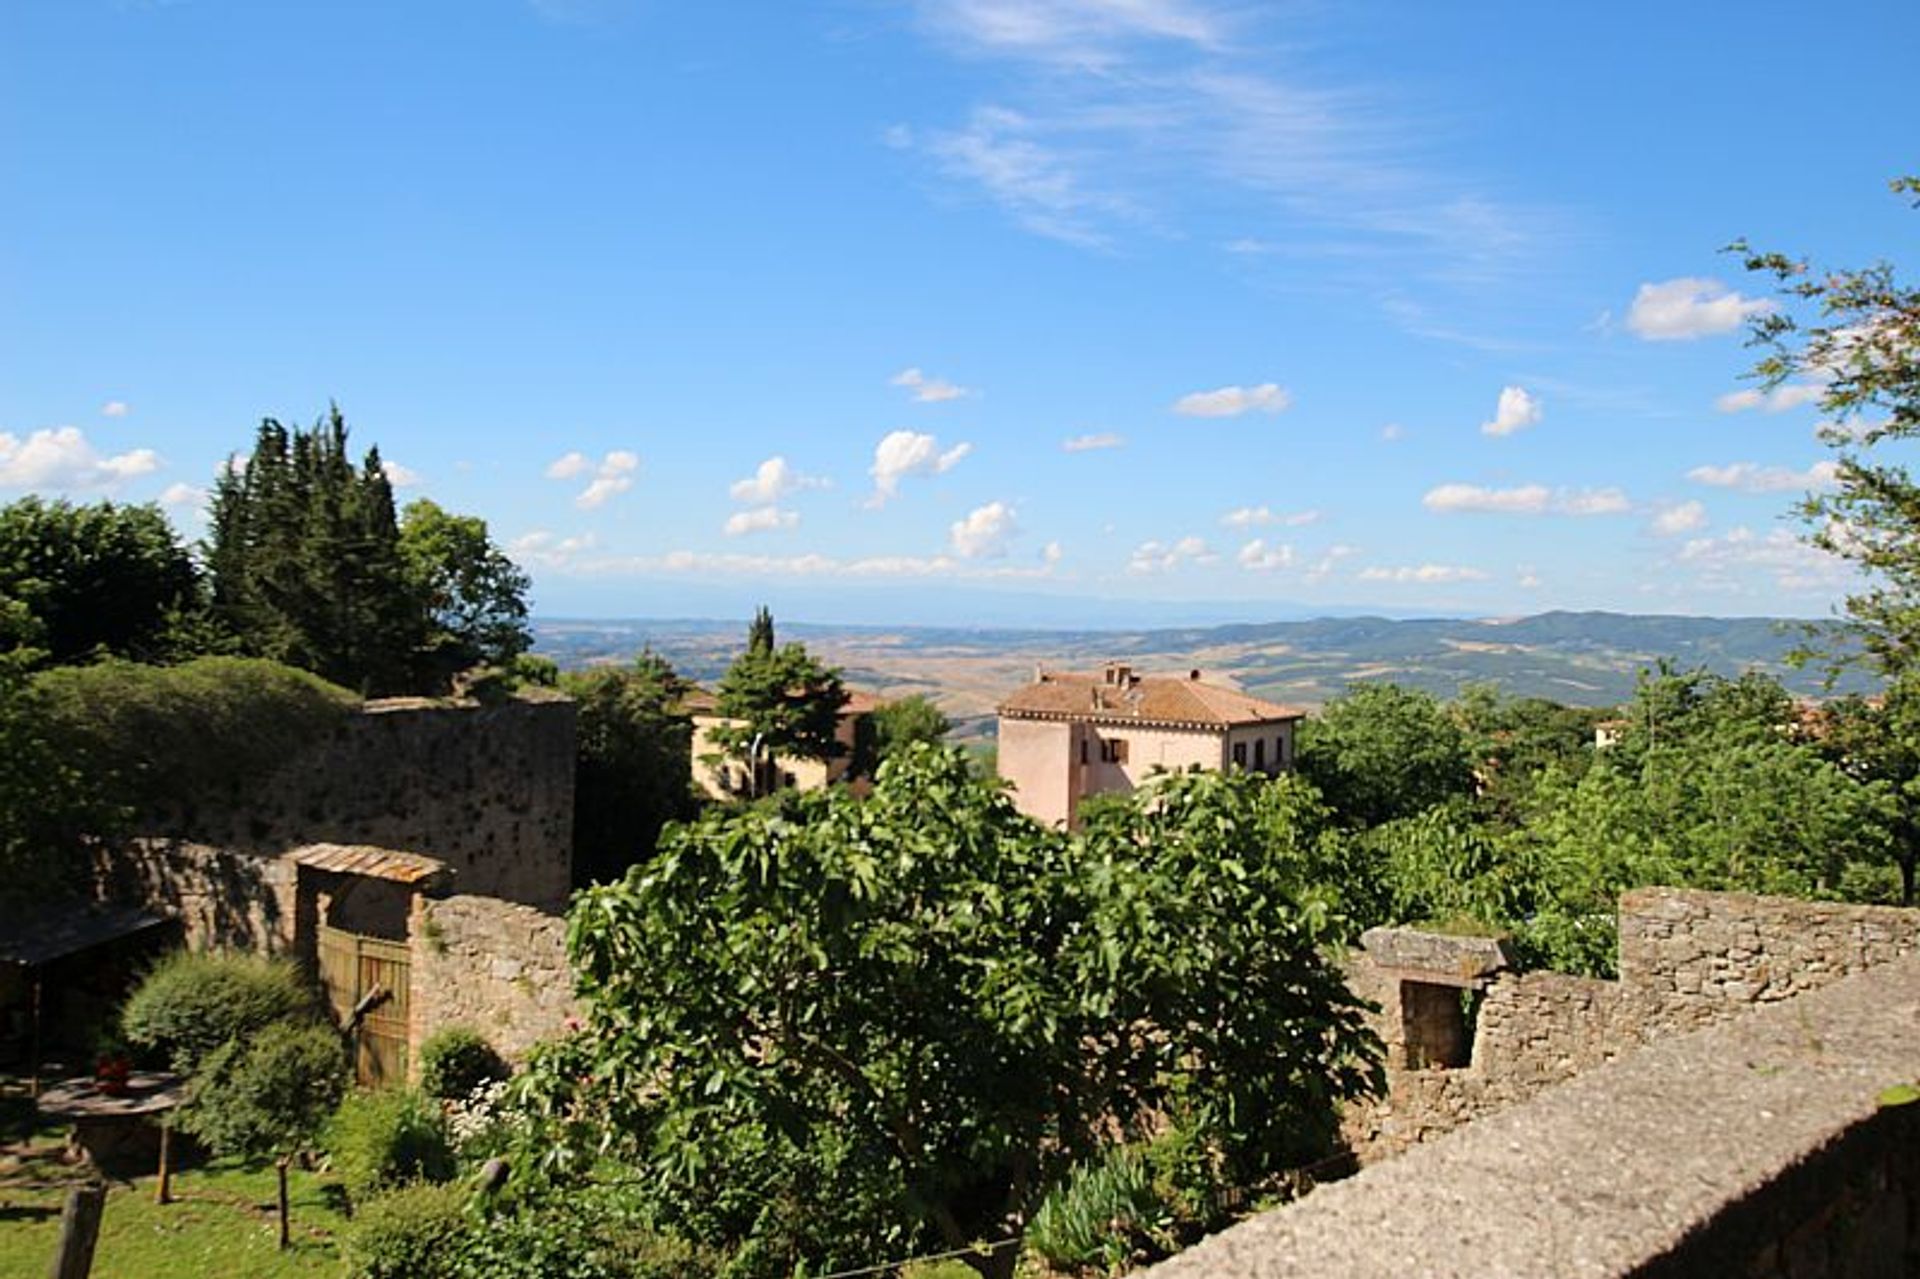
[1123, 697]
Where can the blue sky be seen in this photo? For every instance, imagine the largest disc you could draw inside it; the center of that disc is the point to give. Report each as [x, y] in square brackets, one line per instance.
[964, 309]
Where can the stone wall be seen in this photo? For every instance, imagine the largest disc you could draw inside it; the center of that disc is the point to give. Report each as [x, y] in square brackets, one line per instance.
[496, 966]
[1687, 959]
[223, 899]
[1753, 1147]
[488, 790]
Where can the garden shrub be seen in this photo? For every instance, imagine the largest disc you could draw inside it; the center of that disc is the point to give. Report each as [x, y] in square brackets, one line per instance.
[1103, 1214]
[455, 1060]
[381, 1139]
[413, 1232]
[267, 1093]
[190, 1003]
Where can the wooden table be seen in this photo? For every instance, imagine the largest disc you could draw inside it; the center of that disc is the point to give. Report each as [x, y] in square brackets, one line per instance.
[116, 1130]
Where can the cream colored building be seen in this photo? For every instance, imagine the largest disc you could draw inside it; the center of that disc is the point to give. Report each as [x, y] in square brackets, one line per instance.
[725, 778]
[1067, 736]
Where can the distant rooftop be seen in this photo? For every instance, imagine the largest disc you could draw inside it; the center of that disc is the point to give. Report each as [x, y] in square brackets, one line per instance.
[1118, 695]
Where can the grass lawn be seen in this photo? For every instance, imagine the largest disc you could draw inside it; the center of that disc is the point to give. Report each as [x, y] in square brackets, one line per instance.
[222, 1220]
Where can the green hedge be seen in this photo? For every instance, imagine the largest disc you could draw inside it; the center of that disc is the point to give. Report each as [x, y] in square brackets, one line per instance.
[382, 1139]
[190, 1003]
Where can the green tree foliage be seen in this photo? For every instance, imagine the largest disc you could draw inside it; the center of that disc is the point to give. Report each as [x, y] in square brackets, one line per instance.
[1878, 741]
[304, 554]
[47, 803]
[836, 1029]
[192, 1003]
[157, 739]
[1381, 752]
[80, 581]
[903, 721]
[378, 1140]
[457, 1059]
[474, 596]
[1855, 334]
[266, 1094]
[1513, 740]
[786, 702]
[634, 772]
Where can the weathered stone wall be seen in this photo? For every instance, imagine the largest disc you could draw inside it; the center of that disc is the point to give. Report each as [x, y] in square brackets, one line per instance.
[1753, 1147]
[223, 899]
[498, 967]
[1698, 957]
[488, 790]
[1687, 959]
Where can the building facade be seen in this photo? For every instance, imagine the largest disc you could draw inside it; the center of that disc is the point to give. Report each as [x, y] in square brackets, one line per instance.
[1067, 736]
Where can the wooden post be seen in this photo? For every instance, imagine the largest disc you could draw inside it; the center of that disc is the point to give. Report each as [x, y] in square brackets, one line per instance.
[280, 1165]
[163, 1194]
[33, 1067]
[79, 1230]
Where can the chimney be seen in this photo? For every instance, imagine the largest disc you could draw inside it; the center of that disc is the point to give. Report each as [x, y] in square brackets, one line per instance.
[1119, 674]
[1194, 674]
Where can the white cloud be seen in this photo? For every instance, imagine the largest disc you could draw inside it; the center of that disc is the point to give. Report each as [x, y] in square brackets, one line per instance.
[1528, 499]
[1423, 573]
[183, 494]
[1516, 411]
[1082, 32]
[808, 565]
[1159, 557]
[903, 453]
[1052, 552]
[1525, 499]
[1232, 401]
[401, 477]
[1689, 307]
[1393, 431]
[61, 458]
[761, 519]
[1322, 568]
[772, 480]
[114, 408]
[612, 475]
[1030, 180]
[1088, 443]
[1791, 563]
[983, 533]
[1528, 579]
[1262, 516]
[551, 550]
[1788, 395]
[1608, 501]
[1751, 477]
[928, 390]
[1258, 557]
[1675, 520]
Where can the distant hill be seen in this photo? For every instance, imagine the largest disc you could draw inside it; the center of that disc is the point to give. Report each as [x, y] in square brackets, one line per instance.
[1587, 659]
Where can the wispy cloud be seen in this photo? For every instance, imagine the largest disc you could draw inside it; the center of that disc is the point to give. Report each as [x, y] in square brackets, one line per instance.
[1751, 477]
[1524, 499]
[1089, 443]
[62, 458]
[1119, 116]
[114, 408]
[1163, 557]
[183, 495]
[1687, 517]
[1788, 395]
[1262, 516]
[928, 390]
[1786, 561]
[903, 453]
[1518, 409]
[1232, 401]
[1689, 307]
[1423, 574]
[761, 519]
[398, 475]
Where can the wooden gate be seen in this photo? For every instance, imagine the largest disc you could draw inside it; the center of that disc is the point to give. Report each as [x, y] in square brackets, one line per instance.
[354, 967]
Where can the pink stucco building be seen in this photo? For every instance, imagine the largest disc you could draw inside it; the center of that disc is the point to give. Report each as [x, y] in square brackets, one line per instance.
[1067, 736]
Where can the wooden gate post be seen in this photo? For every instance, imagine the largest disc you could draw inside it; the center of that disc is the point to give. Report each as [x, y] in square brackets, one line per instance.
[79, 1231]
